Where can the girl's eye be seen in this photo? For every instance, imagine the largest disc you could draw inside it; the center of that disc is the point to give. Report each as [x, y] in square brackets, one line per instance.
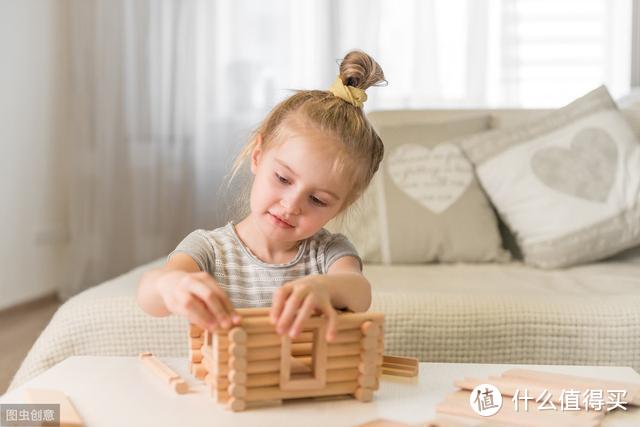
[282, 179]
[317, 201]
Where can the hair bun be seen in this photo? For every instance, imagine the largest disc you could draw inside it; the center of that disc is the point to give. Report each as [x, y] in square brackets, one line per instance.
[360, 70]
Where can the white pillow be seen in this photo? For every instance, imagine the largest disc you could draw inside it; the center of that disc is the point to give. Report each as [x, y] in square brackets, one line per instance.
[567, 185]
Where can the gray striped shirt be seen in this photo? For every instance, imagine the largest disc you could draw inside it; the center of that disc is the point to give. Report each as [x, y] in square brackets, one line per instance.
[250, 282]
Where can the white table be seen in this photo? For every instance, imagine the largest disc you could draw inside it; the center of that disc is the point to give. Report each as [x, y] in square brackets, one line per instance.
[110, 391]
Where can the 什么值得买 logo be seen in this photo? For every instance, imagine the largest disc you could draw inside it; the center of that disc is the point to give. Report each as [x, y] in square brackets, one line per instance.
[485, 400]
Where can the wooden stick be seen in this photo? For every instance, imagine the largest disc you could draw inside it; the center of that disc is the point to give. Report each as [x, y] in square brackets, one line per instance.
[237, 350]
[269, 393]
[164, 372]
[69, 416]
[398, 372]
[345, 321]
[458, 404]
[370, 328]
[254, 311]
[237, 335]
[364, 394]
[236, 404]
[400, 366]
[271, 338]
[195, 331]
[273, 365]
[195, 355]
[238, 377]
[199, 370]
[551, 379]
[196, 343]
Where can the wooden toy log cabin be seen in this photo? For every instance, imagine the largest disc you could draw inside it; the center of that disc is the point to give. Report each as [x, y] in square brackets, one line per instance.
[252, 365]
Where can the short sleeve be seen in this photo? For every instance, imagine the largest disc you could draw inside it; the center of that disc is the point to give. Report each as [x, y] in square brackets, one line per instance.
[198, 247]
[337, 247]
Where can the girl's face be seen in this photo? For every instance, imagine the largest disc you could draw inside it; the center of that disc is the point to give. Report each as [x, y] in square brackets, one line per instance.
[295, 191]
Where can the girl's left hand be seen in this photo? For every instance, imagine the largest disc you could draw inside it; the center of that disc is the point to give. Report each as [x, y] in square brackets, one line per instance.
[296, 301]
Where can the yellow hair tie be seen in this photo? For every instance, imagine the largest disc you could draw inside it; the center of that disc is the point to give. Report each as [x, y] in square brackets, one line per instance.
[352, 95]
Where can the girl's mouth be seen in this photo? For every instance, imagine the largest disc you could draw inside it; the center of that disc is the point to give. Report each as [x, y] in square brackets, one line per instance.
[279, 222]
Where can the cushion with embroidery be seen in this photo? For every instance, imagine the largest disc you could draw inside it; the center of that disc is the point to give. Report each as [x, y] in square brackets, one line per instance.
[568, 184]
[425, 203]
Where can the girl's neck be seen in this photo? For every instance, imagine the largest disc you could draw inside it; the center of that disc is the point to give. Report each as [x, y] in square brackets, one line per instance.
[264, 249]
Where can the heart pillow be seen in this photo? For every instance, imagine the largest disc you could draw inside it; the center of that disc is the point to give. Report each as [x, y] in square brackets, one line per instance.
[568, 184]
[425, 204]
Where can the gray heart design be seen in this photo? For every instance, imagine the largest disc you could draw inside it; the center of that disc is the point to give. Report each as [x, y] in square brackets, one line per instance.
[586, 170]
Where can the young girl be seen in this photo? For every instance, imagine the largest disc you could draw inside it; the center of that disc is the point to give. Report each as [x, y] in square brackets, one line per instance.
[312, 157]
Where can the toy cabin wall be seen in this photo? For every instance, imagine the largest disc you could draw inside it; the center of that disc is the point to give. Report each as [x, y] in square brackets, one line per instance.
[245, 365]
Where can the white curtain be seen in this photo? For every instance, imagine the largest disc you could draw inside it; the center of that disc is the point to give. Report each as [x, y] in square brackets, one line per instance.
[166, 92]
[133, 149]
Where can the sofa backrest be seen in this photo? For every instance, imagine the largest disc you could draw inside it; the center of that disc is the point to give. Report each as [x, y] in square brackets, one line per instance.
[498, 118]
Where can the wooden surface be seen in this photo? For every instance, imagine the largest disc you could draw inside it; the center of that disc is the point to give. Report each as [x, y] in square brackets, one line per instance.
[109, 391]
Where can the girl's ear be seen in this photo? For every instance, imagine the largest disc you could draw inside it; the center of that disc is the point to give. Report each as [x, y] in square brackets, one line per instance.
[256, 153]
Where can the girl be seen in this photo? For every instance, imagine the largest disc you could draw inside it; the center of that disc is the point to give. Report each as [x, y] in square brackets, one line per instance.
[312, 157]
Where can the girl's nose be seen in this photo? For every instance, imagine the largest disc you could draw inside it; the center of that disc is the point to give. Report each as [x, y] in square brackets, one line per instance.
[291, 205]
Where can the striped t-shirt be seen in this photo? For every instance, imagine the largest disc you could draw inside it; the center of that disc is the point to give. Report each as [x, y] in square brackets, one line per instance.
[250, 282]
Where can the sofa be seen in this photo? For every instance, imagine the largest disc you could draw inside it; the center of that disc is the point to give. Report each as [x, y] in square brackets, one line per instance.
[480, 312]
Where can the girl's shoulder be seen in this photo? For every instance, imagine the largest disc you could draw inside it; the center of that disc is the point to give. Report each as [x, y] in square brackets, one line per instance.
[325, 237]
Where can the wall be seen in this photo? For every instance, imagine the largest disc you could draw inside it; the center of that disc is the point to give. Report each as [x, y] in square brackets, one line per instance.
[34, 121]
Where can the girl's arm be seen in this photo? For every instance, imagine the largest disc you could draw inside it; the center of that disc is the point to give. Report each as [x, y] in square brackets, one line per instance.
[348, 288]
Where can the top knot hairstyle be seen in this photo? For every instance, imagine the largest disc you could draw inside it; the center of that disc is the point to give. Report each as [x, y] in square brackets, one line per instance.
[359, 70]
[335, 117]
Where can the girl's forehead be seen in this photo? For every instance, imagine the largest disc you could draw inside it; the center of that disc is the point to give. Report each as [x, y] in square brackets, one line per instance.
[313, 158]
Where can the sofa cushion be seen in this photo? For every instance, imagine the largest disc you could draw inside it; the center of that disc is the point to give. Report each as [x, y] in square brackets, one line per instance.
[425, 203]
[511, 313]
[567, 185]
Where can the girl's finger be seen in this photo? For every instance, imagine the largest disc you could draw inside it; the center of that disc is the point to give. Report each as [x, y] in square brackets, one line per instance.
[279, 299]
[196, 312]
[332, 322]
[303, 314]
[215, 287]
[211, 300]
[289, 311]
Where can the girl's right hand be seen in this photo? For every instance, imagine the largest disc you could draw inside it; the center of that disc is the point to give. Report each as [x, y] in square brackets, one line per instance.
[199, 298]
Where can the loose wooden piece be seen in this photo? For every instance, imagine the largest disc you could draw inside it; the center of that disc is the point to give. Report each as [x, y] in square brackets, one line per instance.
[400, 366]
[69, 416]
[161, 370]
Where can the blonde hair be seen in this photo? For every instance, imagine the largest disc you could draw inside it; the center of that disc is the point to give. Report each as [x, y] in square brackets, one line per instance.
[335, 117]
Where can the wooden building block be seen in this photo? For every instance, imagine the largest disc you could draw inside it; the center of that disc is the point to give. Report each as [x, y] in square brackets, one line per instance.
[69, 416]
[364, 394]
[400, 366]
[165, 373]
[195, 356]
[195, 331]
[370, 329]
[237, 350]
[560, 381]
[196, 343]
[238, 377]
[199, 370]
[236, 404]
[237, 390]
[237, 335]
[381, 422]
